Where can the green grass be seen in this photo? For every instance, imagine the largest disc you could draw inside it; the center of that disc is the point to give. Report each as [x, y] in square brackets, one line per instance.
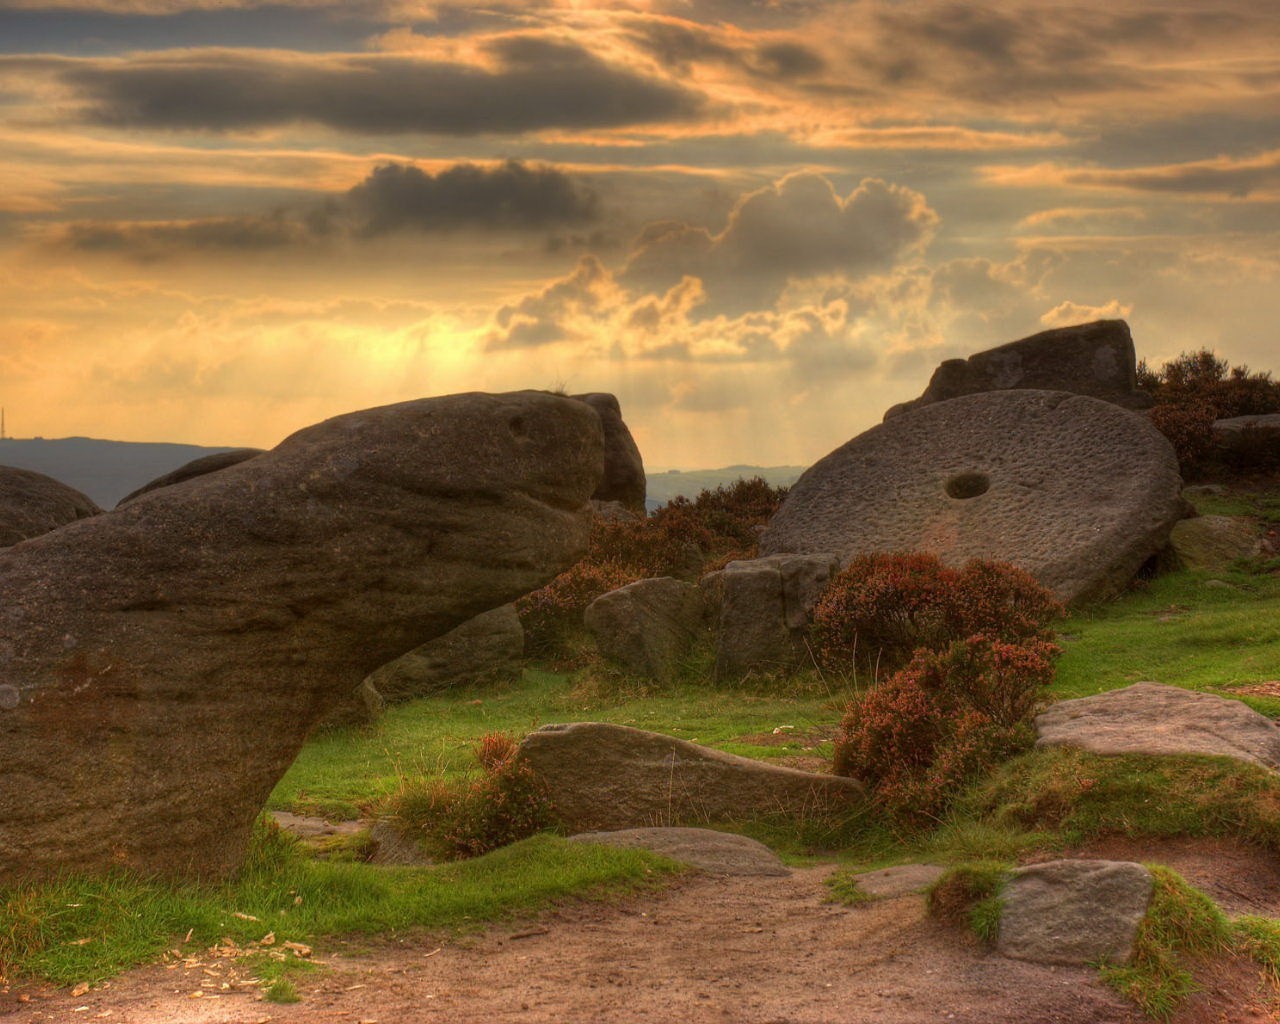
[88, 929]
[846, 891]
[346, 772]
[969, 894]
[1181, 924]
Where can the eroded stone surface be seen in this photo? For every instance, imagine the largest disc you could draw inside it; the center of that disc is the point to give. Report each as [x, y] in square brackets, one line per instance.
[196, 467]
[1148, 718]
[1212, 542]
[604, 777]
[648, 626]
[487, 648]
[719, 853]
[1095, 359]
[623, 479]
[170, 657]
[1073, 911]
[1076, 491]
[901, 880]
[32, 504]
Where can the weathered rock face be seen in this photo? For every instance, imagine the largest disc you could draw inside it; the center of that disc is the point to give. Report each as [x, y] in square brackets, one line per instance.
[1148, 718]
[761, 607]
[623, 467]
[902, 880]
[32, 503]
[196, 467]
[161, 665]
[1212, 542]
[612, 777]
[1248, 442]
[1074, 911]
[647, 627]
[718, 853]
[1094, 359]
[1074, 490]
[488, 648]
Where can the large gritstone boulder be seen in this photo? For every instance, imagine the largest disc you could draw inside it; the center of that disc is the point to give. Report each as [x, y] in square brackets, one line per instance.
[611, 776]
[623, 468]
[1148, 718]
[488, 648]
[1094, 359]
[196, 467]
[1074, 490]
[32, 503]
[161, 665]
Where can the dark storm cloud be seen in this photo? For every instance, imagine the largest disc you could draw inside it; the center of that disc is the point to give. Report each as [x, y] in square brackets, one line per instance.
[537, 84]
[393, 198]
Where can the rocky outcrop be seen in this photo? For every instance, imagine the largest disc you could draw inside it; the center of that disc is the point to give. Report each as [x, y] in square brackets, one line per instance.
[1095, 359]
[1076, 491]
[603, 777]
[1248, 442]
[623, 479]
[1148, 718]
[1073, 911]
[488, 648]
[163, 663]
[196, 467]
[647, 627]
[32, 504]
[717, 853]
[1214, 542]
[760, 609]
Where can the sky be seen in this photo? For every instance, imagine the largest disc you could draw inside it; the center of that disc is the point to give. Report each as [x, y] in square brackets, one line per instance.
[759, 223]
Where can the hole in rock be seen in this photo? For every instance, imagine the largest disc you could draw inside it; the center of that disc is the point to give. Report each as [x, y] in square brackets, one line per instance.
[968, 485]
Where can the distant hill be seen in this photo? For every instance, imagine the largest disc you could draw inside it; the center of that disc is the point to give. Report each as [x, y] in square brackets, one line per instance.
[662, 487]
[104, 470]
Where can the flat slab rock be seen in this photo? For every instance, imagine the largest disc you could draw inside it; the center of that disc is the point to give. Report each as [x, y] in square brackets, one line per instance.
[1149, 718]
[719, 853]
[1075, 490]
[901, 880]
[1073, 911]
[1214, 542]
[605, 777]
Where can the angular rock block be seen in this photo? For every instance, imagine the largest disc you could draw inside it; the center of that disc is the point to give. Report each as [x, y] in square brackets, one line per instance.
[1074, 911]
[1148, 718]
[488, 648]
[1214, 542]
[1074, 490]
[32, 504]
[612, 777]
[647, 627]
[161, 665]
[1095, 359]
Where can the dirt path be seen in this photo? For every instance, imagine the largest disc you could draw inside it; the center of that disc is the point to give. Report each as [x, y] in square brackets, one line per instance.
[710, 950]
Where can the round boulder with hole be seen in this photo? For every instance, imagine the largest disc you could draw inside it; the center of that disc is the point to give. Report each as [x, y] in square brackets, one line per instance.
[1074, 490]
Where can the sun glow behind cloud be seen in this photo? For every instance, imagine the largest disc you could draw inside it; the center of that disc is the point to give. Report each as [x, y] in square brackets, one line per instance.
[760, 225]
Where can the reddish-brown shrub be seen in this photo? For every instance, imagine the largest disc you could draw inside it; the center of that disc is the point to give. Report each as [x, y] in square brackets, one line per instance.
[881, 609]
[920, 736]
[549, 613]
[1197, 388]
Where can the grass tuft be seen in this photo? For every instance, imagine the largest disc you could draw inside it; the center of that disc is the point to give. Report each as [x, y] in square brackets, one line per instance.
[969, 895]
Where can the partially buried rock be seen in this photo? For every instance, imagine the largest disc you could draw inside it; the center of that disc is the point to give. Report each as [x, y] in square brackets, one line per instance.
[163, 663]
[624, 479]
[1074, 911]
[1214, 542]
[612, 776]
[32, 504]
[1148, 718]
[1074, 490]
[647, 627]
[486, 649]
[196, 467]
[1095, 359]
[717, 853]
[1248, 442]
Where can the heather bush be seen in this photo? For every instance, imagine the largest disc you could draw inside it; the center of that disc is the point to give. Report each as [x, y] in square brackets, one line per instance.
[682, 539]
[919, 737]
[881, 609]
[1197, 388]
[507, 802]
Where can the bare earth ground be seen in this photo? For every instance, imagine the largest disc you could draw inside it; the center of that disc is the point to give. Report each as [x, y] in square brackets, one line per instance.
[750, 950]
